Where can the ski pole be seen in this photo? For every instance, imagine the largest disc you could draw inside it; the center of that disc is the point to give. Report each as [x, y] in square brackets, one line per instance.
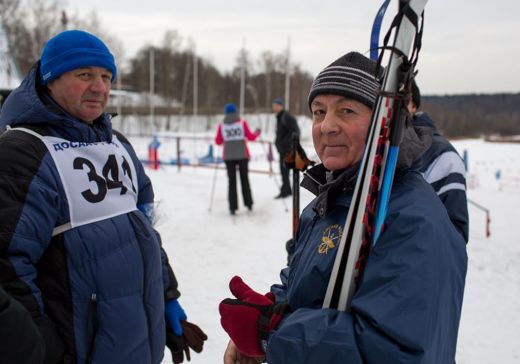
[297, 161]
[215, 160]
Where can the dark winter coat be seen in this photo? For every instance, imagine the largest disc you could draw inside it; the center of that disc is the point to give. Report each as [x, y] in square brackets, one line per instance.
[97, 290]
[443, 168]
[286, 126]
[21, 342]
[233, 133]
[407, 308]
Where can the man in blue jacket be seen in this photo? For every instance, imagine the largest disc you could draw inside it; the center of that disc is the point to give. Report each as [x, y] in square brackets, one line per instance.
[443, 168]
[77, 246]
[408, 304]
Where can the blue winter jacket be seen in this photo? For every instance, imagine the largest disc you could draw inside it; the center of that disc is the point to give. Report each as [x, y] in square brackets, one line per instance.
[408, 305]
[443, 168]
[96, 291]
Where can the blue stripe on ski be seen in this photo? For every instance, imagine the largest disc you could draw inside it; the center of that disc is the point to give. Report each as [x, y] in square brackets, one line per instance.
[386, 187]
[376, 27]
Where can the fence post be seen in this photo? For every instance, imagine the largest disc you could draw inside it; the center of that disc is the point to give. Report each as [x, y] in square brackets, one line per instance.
[179, 162]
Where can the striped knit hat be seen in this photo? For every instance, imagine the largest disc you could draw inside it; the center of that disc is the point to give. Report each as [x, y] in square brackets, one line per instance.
[352, 76]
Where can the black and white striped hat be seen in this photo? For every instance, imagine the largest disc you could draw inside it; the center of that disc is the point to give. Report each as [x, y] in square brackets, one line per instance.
[352, 76]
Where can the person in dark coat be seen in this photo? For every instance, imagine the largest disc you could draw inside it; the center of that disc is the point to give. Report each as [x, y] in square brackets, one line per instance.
[77, 246]
[442, 167]
[286, 127]
[408, 302]
[233, 133]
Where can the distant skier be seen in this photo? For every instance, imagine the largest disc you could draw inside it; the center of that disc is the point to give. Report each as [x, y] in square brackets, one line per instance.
[408, 305]
[233, 133]
[286, 126]
[77, 246]
[443, 168]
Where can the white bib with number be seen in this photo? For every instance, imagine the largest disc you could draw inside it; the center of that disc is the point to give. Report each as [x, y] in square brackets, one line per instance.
[233, 131]
[99, 179]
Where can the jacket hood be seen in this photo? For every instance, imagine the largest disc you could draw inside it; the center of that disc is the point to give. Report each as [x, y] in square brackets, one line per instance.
[416, 140]
[230, 118]
[423, 119]
[30, 104]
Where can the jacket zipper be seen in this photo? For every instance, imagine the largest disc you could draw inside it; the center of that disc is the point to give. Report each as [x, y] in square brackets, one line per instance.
[93, 317]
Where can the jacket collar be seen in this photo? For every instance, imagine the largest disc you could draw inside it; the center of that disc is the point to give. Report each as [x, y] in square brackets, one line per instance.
[328, 185]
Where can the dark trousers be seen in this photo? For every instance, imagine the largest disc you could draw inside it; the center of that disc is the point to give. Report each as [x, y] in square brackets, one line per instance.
[285, 189]
[243, 169]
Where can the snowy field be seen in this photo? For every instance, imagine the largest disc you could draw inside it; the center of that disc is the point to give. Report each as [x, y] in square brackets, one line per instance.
[207, 247]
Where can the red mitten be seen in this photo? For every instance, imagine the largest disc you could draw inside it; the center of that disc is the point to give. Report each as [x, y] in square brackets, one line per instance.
[249, 318]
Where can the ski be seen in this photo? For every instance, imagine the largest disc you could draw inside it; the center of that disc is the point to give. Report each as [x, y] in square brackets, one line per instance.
[376, 170]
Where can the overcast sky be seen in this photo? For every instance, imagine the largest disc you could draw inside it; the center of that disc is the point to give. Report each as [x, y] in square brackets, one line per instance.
[469, 46]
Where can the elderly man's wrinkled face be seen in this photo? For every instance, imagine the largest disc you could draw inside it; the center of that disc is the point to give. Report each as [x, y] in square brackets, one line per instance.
[82, 92]
[339, 129]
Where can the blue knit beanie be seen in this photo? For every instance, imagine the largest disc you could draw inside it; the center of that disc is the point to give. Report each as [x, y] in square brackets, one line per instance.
[74, 49]
[230, 108]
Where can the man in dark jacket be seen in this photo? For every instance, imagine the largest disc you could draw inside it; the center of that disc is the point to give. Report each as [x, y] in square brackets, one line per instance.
[77, 246]
[286, 127]
[443, 168]
[408, 303]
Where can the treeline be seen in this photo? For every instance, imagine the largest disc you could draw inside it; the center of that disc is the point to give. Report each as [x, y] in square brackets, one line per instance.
[463, 116]
[29, 24]
[174, 79]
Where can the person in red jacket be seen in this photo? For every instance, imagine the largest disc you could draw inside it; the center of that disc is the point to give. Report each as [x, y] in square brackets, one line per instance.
[233, 133]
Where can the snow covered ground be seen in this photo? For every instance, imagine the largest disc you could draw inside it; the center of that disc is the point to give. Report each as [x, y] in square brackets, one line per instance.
[207, 247]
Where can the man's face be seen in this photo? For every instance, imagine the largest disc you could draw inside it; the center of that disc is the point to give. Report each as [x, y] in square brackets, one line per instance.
[276, 108]
[339, 127]
[82, 92]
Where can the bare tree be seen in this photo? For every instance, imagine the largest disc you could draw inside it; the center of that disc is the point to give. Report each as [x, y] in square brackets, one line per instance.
[92, 24]
[29, 24]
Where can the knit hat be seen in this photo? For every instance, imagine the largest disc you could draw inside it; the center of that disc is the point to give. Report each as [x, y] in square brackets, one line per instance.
[230, 108]
[278, 101]
[352, 76]
[416, 94]
[74, 49]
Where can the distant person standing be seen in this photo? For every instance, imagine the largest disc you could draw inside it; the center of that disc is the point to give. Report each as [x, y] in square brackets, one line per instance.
[233, 133]
[443, 168]
[286, 126]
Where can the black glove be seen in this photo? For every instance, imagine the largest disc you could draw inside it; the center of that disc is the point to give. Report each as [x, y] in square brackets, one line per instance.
[192, 337]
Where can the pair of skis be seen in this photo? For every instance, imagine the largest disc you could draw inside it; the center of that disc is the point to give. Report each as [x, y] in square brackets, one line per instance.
[369, 203]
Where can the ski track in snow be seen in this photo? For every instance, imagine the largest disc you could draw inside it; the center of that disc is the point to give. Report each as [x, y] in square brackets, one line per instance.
[206, 248]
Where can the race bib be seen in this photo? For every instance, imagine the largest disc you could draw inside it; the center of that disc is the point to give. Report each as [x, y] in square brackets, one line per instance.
[99, 179]
[233, 131]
